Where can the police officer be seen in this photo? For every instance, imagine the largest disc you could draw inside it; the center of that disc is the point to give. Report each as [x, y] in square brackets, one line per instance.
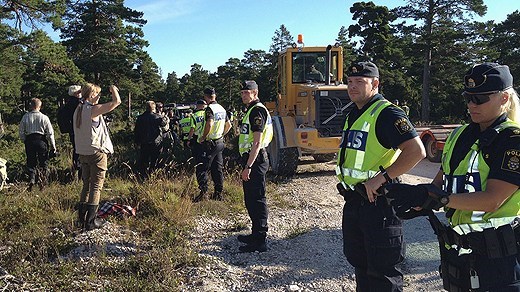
[256, 132]
[196, 129]
[36, 132]
[374, 131]
[216, 125]
[480, 179]
[186, 124]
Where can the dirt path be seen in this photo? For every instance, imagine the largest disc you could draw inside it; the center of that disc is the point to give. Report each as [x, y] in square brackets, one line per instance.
[305, 243]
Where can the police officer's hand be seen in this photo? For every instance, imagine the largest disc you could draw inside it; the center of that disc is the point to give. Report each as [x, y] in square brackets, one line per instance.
[422, 196]
[245, 174]
[372, 186]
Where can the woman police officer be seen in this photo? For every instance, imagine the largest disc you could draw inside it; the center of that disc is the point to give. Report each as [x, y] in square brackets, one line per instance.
[480, 178]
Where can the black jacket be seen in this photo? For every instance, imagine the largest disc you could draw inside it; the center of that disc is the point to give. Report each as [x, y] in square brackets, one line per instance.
[148, 128]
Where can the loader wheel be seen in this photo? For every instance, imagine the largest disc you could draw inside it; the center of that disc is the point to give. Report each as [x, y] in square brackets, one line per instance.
[283, 161]
[432, 153]
[324, 157]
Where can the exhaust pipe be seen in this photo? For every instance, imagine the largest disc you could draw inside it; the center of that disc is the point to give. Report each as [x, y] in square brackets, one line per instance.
[328, 63]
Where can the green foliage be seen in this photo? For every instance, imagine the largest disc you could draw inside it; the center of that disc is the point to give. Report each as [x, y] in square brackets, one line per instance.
[49, 71]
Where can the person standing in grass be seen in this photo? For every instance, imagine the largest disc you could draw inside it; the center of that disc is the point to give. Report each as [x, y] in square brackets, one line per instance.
[93, 144]
[216, 126]
[256, 133]
[36, 132]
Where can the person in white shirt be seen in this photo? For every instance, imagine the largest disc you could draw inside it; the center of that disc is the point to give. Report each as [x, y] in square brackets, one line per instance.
[36, 131]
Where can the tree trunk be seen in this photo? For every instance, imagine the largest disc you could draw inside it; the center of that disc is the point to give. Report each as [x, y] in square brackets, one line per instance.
[425, 94]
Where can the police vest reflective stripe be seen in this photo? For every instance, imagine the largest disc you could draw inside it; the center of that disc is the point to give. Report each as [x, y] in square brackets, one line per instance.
[185, 124]
[363, 152]
[198, 122]
[219, 120]
[471, 176]
[245, 140]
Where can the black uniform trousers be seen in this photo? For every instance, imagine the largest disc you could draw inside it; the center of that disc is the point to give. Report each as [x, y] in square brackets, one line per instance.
[148, 156]
[196, 151]
[254, 194]
[37, 152]
[373, 244]
[211, 160]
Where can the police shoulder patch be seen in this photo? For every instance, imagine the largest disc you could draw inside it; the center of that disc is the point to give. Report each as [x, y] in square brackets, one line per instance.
[403, 126]
[511, 160]
[257, 120]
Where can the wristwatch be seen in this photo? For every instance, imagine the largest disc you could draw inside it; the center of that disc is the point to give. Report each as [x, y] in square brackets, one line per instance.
[444, 200]
[249, 166]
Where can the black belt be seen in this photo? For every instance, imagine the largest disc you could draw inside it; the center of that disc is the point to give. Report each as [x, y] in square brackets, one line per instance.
[215, 140]
[491, 242]
[35, 136]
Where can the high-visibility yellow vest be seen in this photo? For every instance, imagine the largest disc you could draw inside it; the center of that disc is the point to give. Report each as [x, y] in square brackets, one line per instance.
[471, 176]
[198, 122]
[245, 140]
[363, 152]
[185, 124]
[219, 121]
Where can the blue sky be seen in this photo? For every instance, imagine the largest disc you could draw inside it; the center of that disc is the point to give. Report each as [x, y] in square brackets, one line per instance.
[209, 32]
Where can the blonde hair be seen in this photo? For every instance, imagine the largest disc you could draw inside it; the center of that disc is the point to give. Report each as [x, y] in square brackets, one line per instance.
[512, 106]
[88, 90]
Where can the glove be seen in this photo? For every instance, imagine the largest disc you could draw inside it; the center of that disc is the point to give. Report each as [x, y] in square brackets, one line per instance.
[405, 197]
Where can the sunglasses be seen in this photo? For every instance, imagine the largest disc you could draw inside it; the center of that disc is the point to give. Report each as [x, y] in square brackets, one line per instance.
[478, 99]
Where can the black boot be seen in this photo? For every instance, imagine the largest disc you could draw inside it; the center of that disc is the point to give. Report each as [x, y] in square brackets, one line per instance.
[247, 239]
[202, 196]
[92, 222]
[82, 214]
[257, 243]
[217, 196]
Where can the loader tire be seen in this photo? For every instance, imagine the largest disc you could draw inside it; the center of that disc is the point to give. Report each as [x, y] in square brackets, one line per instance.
[283, 161]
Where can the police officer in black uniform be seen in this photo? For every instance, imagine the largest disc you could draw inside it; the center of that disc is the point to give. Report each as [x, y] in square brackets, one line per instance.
[256, 132]
[478, 184]
[216, 125]
[374, 130]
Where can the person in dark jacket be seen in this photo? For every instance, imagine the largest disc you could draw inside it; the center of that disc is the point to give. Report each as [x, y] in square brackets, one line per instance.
[147, 134]
[65, 114]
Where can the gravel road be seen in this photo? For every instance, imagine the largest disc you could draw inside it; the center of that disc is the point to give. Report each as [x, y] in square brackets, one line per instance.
[305, 242]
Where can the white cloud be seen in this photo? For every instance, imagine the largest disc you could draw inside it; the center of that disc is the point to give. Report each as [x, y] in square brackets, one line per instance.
[163, 11]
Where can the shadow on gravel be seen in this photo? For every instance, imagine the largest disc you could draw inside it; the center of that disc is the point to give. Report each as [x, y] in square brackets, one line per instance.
[315, 257]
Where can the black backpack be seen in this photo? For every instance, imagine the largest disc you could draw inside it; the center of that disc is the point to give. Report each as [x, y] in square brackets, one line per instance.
[64, 122]
[65, 115]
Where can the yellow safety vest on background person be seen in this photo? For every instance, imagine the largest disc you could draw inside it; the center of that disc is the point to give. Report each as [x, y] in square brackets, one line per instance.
[185, 124]
[471, 176]
[363, 152]
[219, 121]
[198, 123]
[245, 140]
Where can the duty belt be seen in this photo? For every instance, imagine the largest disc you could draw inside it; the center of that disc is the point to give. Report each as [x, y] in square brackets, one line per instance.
[493, 243]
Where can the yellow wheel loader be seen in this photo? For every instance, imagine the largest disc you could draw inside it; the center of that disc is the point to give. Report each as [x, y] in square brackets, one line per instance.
[309, 113]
